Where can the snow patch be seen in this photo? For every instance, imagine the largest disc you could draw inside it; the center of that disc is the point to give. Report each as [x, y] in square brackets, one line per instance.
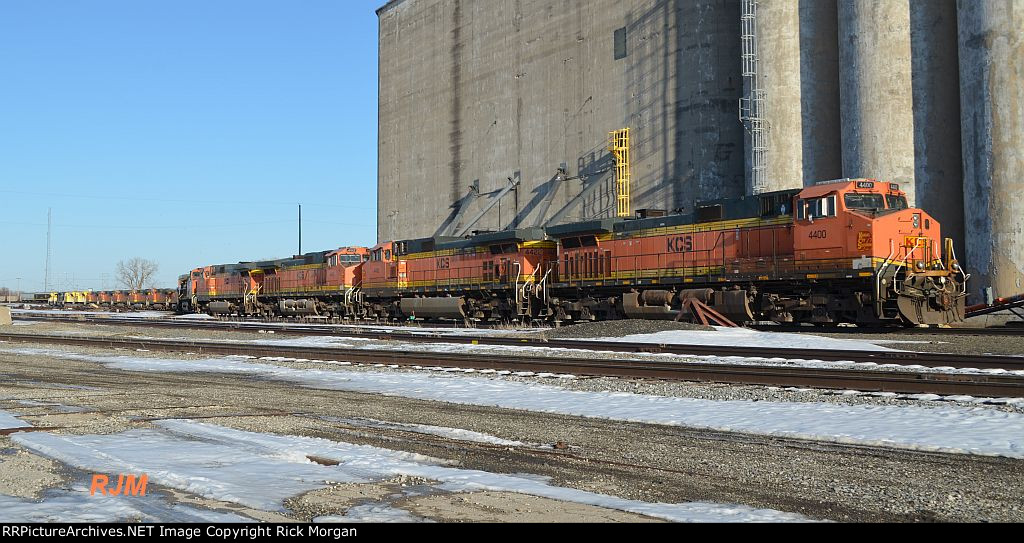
[946, 428]
[79, 506]
[8, 420]
[745, 337]
[457, 434]
[220, 463]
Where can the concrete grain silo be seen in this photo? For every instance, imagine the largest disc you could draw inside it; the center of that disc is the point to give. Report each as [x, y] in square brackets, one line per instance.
[775, 74]
[991, 36]
[709, 158]
[876, 91]
[797, 70]
[819, 91]
[938, 169]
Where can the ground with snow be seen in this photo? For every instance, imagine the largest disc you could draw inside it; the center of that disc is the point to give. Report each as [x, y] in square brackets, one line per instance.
[745, 337]
[220, 463]
[97, 407]
[940, 428]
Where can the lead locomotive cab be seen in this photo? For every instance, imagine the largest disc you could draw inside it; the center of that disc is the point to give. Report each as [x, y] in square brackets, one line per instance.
[864, 229]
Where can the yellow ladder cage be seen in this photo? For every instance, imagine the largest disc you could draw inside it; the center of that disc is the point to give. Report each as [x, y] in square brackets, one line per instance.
[618, 145]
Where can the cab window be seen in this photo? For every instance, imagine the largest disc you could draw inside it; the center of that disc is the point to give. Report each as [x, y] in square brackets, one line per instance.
[868, 202]
[896, 202]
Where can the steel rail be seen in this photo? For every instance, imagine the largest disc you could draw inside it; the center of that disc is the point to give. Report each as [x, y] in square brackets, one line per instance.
[926, 359]
[865, 380]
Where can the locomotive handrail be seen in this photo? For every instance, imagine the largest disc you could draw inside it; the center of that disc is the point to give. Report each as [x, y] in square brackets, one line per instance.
[954, 262]
[881, 272]
[544, 283]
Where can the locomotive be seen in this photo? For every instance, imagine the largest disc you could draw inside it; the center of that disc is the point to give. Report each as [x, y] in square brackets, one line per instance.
[153, 298]
[843, 251]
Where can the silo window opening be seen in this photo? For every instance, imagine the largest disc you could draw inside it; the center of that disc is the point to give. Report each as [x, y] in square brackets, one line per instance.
[620, 43]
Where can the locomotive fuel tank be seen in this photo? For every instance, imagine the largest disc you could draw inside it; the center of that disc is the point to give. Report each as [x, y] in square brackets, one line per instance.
[297, 308]
[434, 308]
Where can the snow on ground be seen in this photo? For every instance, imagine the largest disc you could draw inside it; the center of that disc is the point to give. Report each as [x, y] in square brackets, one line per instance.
[942, 428]
[457, 434]
[79, 506]
[262, 470]
[745, 337]
[375, 345]
[8, 420]
[419, 330]
[194, 317]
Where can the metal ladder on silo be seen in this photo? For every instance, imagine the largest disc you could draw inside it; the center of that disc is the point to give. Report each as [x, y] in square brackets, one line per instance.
[752, 106]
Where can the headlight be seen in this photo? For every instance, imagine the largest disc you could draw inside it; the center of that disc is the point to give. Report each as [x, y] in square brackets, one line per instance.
[920, 266]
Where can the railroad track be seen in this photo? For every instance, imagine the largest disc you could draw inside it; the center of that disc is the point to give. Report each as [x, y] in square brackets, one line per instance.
[930, 360]
[903, 381]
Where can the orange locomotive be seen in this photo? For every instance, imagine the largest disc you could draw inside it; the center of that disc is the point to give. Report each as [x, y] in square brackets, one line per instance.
[490, 277]
[322, 283]
[840, 251]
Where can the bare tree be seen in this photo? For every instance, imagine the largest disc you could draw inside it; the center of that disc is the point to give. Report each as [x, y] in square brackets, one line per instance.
[136, 273]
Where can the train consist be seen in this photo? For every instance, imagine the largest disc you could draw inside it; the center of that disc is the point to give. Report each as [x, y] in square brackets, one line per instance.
[849, 250]
[159, 299]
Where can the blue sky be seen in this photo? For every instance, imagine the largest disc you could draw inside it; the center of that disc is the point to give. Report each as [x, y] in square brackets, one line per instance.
[186, 132]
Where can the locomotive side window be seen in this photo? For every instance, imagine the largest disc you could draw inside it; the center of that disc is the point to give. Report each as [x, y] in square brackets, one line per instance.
[775, 205]
[816, 208]
[828, 207]
[822, 207]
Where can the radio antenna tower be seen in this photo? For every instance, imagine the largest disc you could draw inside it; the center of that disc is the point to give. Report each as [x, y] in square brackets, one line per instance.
[49, 229]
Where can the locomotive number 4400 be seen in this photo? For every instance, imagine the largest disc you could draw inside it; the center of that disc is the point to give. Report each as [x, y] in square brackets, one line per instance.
[819, 234]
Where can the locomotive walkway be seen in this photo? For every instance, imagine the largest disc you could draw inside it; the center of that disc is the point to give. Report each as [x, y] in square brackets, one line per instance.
[899, 381]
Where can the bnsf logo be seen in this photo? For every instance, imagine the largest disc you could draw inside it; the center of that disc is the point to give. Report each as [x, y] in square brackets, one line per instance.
[681, 244]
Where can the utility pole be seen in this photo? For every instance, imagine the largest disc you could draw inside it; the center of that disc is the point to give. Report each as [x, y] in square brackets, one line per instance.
[49, 229]
[300, 229]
